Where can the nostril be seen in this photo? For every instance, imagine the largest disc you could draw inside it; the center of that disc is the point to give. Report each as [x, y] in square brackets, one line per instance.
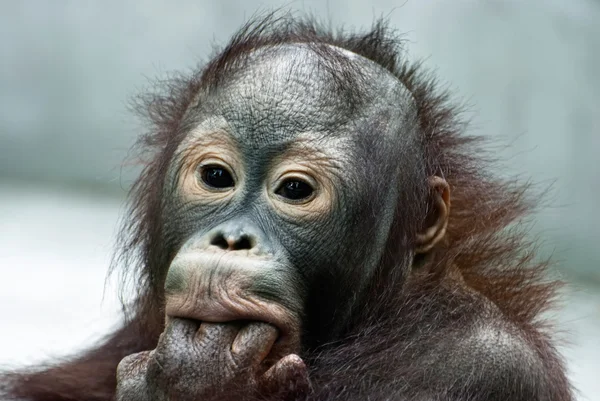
[243, 242]
[219, 241]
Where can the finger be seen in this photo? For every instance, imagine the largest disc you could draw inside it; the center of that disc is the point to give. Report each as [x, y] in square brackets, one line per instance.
[133, 366]
[131, 377]
[216, 336]
[254, 342]
[288, 376]
[178, 331]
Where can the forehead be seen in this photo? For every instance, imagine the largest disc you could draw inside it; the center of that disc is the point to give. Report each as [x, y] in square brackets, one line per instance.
[290, 91]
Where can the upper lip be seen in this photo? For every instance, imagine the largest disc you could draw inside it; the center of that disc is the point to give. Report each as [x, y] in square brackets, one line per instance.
[226, 309]
[218, 289]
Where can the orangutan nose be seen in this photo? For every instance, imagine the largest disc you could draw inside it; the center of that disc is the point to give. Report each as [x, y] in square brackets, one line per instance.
[238, 235]
[233, 242]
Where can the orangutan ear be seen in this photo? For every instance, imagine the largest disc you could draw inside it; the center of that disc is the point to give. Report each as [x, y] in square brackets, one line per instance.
[437, 217]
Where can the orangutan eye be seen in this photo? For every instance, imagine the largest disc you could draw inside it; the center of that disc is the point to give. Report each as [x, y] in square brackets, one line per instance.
[216, 176]
[295, 189]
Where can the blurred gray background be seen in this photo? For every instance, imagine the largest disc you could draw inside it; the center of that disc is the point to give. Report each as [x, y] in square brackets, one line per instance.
[530, 72]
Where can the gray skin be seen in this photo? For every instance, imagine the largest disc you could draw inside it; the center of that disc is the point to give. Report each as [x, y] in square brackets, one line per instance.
[247, 269]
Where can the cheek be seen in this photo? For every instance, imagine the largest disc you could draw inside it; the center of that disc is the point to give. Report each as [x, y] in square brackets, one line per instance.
[352, 231]
[179, 224]
[183, 219]
[318, 245]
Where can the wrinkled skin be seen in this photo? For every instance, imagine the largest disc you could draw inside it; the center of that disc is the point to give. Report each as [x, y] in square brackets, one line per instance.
[197, 361]
[252, 263]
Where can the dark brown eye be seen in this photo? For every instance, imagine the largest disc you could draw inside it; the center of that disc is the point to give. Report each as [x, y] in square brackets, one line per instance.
[216, 177]
[295, 189]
